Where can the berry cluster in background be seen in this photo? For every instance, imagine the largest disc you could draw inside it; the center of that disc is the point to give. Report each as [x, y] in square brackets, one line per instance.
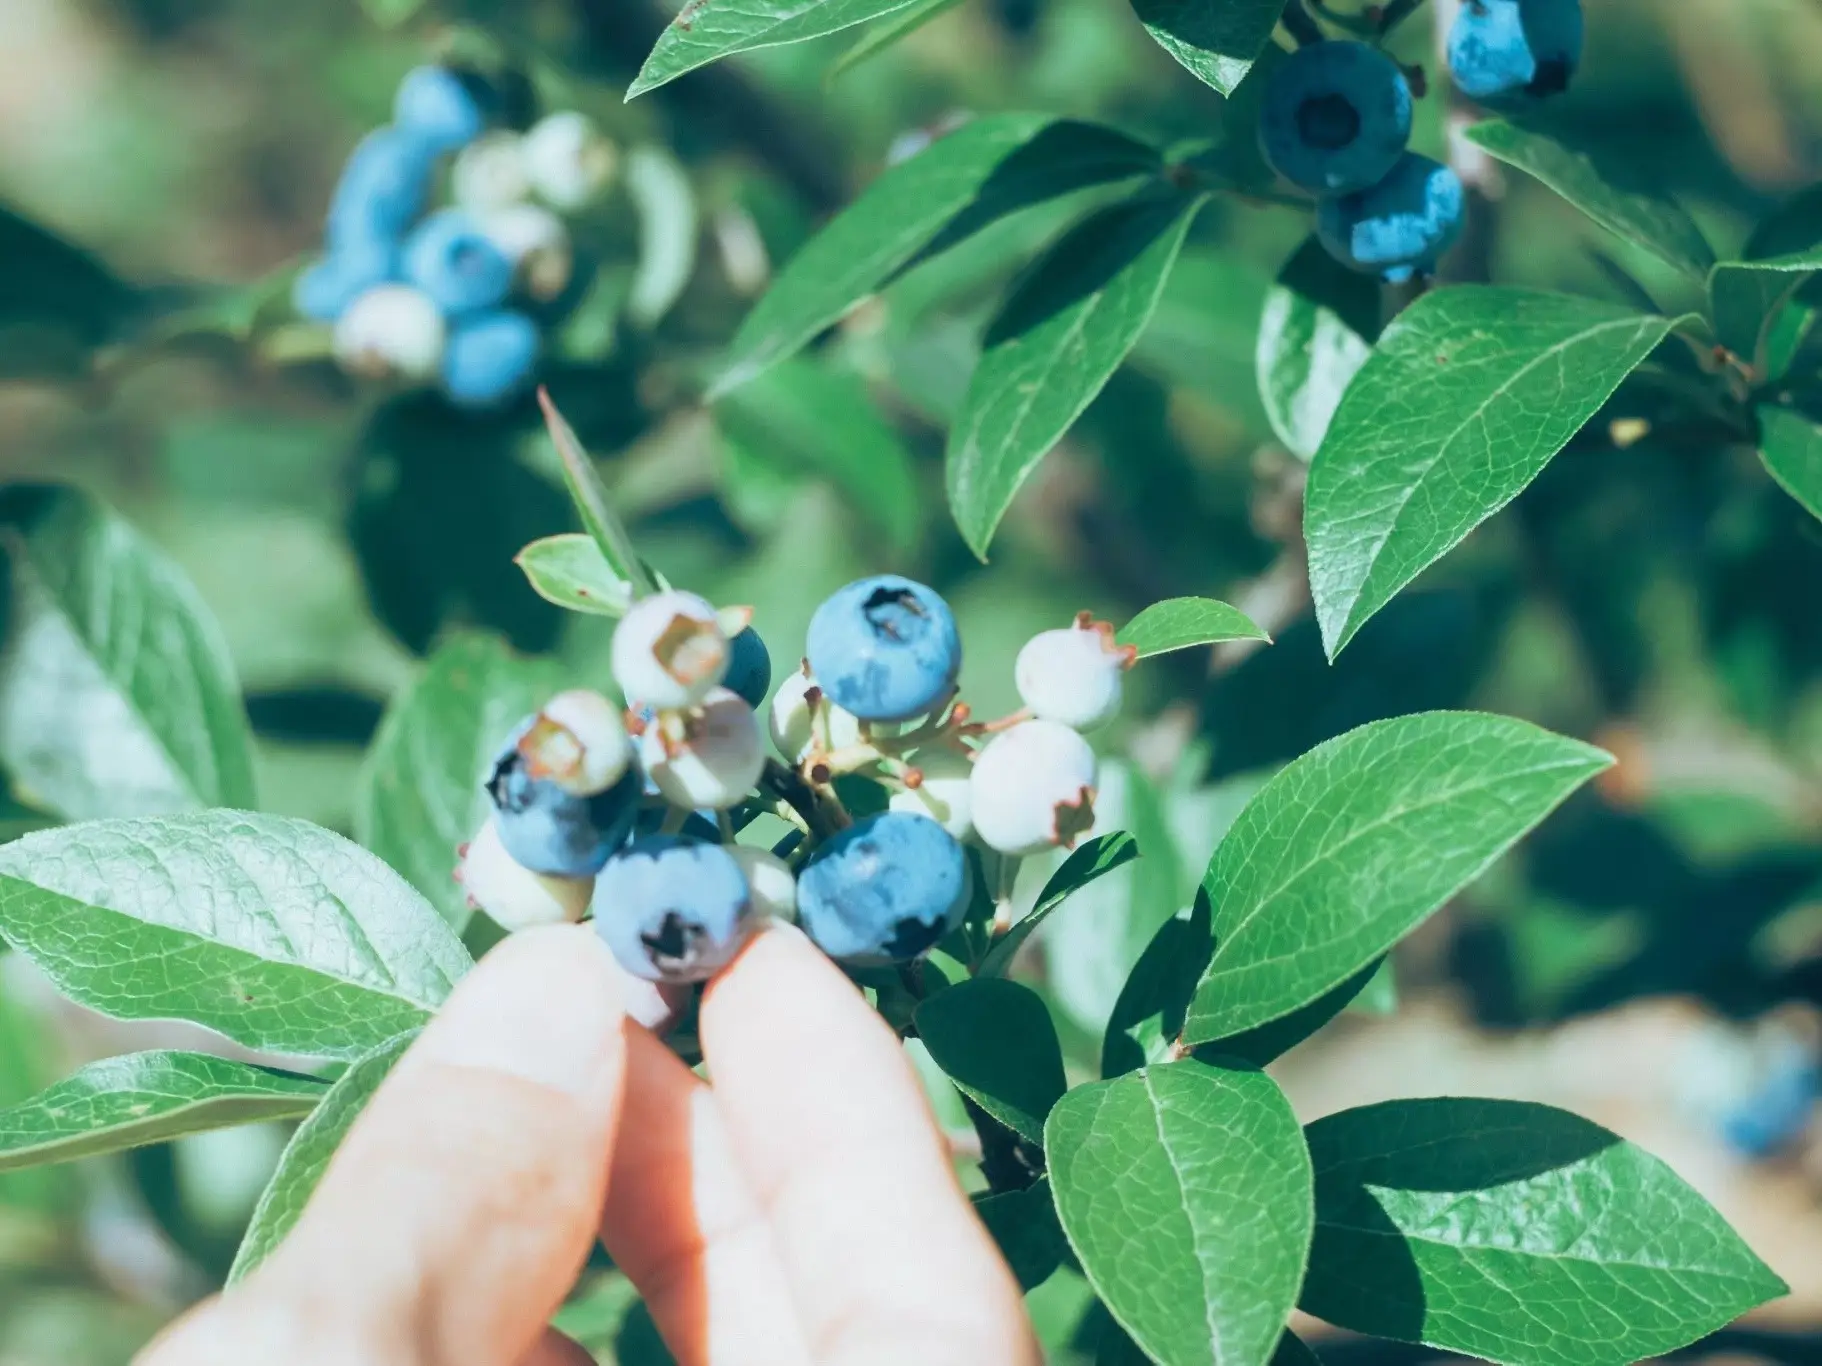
[634, 813]
[452, 295]
[1336, 119]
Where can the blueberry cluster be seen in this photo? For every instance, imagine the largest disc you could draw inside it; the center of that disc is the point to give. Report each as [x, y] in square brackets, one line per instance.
[1335, 121]
[632, 813]
[419, 294]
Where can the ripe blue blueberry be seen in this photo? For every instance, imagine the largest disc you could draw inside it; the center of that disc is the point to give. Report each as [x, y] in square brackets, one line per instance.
[1336, 117]
[441, 106]
[324, 290]
[1508, 51]
[456, 263]
[673, 909]
[1398, 227]
[554, 832]
[884, 649]
[885, 890]
[749, 668]
[489, 357]
[383, 189]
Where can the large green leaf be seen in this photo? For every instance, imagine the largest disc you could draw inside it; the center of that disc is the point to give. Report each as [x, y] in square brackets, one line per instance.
[277, 933]
[1183, 623]
[1095, 859]
[705, 31]
[883, 35]
[1346, 849]
[1639, 214]
[1266, 1043]
[142, 1098]
[1217, 41]
[1148, 1015]
[1518, 1233]
[307, 1155]
[420, 793]
[1743, 299]
[1791, 447]
[1056, 341]
[117, 696]
[1467, 396]
[1185, 1191]
[961, 183]
[812, 420]
[995, 1041]
[1314, 336]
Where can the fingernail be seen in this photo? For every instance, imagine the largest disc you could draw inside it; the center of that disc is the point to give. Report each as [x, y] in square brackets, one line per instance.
[545, 1007]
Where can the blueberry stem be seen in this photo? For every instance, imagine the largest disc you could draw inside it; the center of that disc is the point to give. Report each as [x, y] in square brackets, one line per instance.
[674, 817]
[1004, 870]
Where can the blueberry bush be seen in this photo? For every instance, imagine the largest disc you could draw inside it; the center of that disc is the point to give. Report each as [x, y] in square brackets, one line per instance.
[615, 720]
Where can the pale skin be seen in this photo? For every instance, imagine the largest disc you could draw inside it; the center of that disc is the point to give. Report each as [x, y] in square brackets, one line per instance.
[802, 1211]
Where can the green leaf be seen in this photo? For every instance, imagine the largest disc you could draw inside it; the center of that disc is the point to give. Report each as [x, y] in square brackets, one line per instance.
[1637, 214]
[959, 184]
[143, 1098]
[54, 293]
[1095, 859]
[995, 1040]
[820, 422]
[1185, 1191]
[391, 13]
[570, 570]
[268, 929]
[1518, 1233]
[708, 30]
[1743, 298]
[1148, 1016]
[589, 495]
[1348, 848]
[1056, 341]
[1294, 1351]
[1024, 1227]
[117, 696]
[420, 792]
[1313, 338]
[883, 35]
[1182, 623]
[1790, 237]
[1791, 447]
[307, 1155]
[1467, 396]
[1216, 41]
[1266, 1043]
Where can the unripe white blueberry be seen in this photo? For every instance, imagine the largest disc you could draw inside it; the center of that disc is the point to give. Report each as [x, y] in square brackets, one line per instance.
[578, 740]
[770, 881]
[391, 331]
[1034, 788]
[669, 650]
[946, 792]
[490, 171]
[718, 760]
[515, 897]
[536, 242]
[1072, 676]
[790, 721]
[567, 159]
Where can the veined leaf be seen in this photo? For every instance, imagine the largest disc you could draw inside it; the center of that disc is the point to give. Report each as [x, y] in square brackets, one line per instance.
[1183, 623]
[705, 31]
[994, 1040]
[1467, 396]
[1216, 41]
[1056, 341]
[883, 35]
[142, 1098]
[268, 929]
[117, 696]
[1791, 447]
[1348, 848]
[570, 570]
[1314, 336]
[1095, 859]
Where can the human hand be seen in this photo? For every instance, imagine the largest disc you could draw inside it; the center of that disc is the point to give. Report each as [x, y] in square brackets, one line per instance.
[802, 1210]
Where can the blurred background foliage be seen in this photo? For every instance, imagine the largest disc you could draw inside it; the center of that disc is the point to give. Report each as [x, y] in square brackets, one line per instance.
[1655, 950]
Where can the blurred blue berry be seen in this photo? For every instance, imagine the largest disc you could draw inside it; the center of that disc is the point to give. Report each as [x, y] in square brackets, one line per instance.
[489, 357]
[457, 264]
[554, 832]
[1776, 1114]
[1399, 226]
[440, 106]
[1505, 51]
[1336, 117]
[673, 909]
[749, 668]
[383, 189]
[884, 649]
[885, 890]
[324, 290]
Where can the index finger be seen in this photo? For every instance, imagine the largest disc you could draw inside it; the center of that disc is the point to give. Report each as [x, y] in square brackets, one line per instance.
[887, 1262]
